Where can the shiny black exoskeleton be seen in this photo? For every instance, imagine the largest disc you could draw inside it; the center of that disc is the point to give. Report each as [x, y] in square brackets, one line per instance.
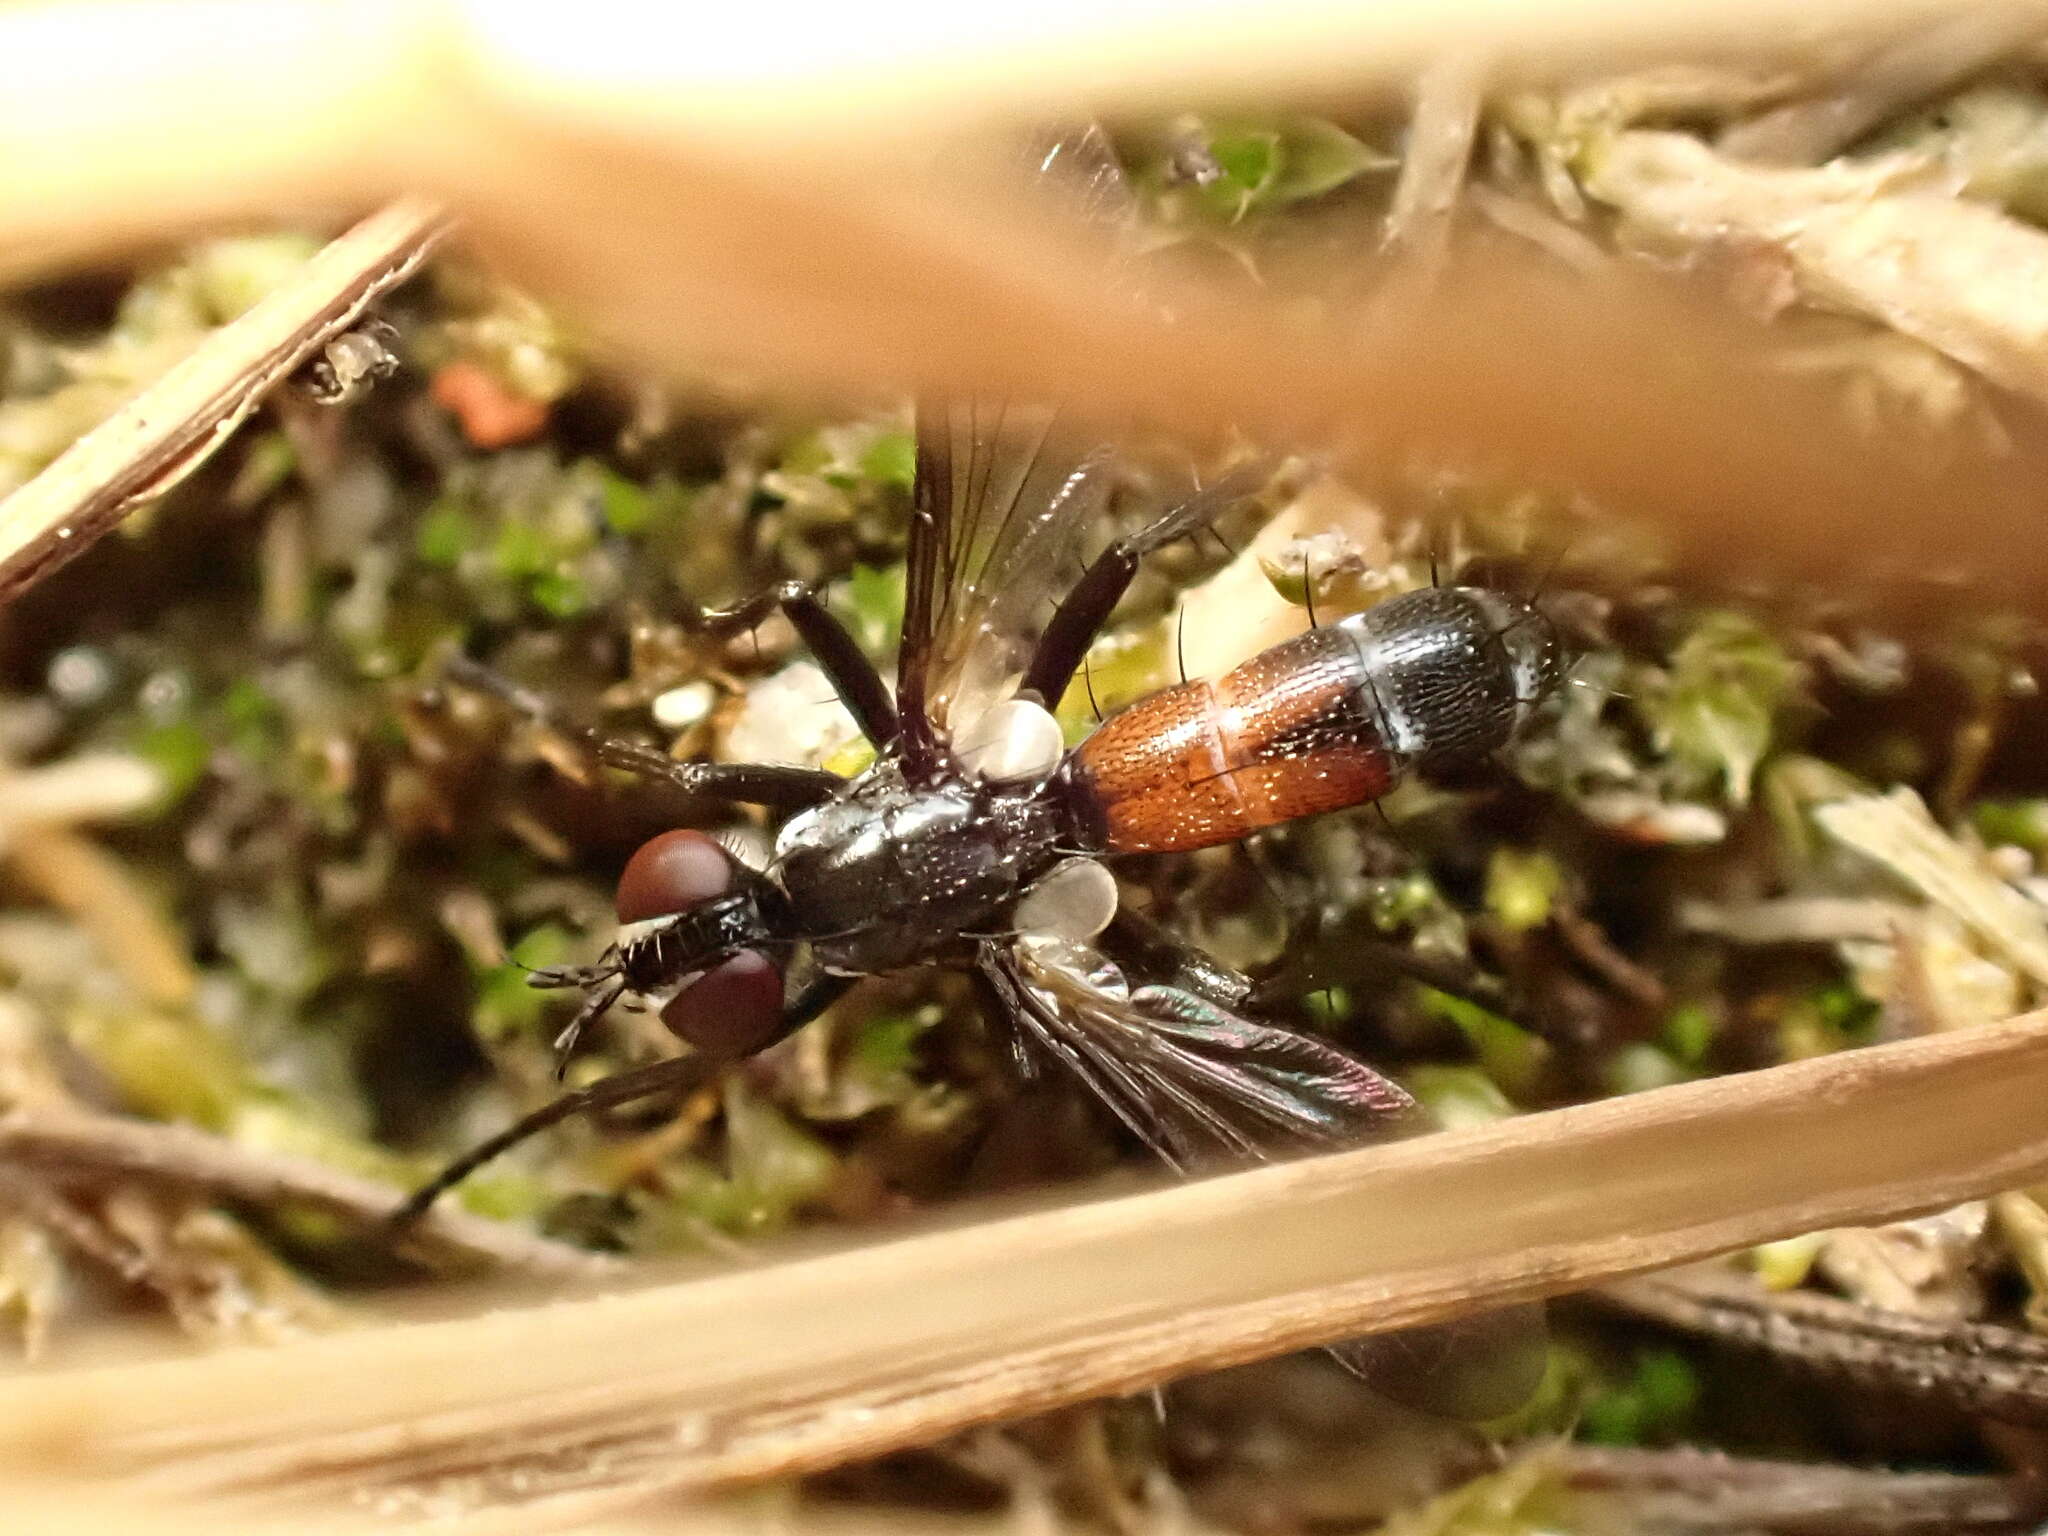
[888, 873]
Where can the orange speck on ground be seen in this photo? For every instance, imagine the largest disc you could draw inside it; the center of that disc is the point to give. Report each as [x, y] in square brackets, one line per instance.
[492, 415]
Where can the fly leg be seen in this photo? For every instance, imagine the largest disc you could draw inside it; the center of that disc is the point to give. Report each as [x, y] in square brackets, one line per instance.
[854, 678]
[1088, 606]
[778, 786]
[1146, 950]
[1323, 953]
[672, 1075]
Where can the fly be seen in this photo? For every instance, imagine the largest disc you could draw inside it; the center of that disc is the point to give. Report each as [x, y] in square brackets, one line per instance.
[978, 840]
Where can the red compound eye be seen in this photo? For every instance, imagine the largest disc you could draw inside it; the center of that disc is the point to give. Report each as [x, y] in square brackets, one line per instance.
[733, 1009]
[673, 873]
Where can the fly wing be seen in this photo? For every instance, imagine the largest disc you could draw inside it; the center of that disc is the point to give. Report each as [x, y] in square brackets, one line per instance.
[1194, 1081]
[1198, 1084]
[1002, 497]
[1025, 488]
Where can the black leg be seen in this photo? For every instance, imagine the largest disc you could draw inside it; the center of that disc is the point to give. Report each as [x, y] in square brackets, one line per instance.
[1001, 1013]
[1087, 608]
[778, 786]
[1319, 956]
[1147, 951]
[675, 1075]
[854, 678]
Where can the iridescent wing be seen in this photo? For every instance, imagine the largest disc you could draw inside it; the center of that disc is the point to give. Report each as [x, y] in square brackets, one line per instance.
[1195, 1082]
[1003, 496]
[1200, 1084]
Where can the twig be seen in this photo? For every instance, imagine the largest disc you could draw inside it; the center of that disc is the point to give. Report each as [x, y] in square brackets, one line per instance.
[1702, 1491]
[60, 1143]
[1589, 941]
[32, 1198]
[1439, 152]
[576, 1405]
[1980, 1368]
[175, 424]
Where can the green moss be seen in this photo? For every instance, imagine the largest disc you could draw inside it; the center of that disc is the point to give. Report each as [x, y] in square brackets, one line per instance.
[1522, 886]
[1511, 1056]
[1714, 709]
[1688, 1032]
[1654, 1405]
[891, 460]
[446, 534]
[180, 751]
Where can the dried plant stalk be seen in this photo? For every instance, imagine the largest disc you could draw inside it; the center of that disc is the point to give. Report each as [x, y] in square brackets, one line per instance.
[122, 118]
[74, 1144]
[601, 175]
[168, 430]
[809, 1363]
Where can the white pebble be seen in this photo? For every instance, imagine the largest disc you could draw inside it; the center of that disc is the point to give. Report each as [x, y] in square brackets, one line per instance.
[680, 708]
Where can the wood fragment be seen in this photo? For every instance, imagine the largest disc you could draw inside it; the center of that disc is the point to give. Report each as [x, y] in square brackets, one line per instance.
[1974, 1367]
[59, 1143]
[174, 425]
[1895, 831]
[577, 1406]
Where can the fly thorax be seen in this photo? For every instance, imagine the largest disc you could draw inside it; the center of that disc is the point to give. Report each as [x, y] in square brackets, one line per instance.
[888, 872]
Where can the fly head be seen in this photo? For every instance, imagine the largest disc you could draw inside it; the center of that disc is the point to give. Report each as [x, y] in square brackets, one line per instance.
[699, 934]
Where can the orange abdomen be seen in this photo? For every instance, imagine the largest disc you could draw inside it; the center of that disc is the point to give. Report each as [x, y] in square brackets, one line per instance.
[1291, 732]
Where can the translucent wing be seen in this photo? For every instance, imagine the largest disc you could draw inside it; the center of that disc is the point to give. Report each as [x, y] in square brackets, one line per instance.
[1003, 495]
[1199, 1083]
[1195, 1082]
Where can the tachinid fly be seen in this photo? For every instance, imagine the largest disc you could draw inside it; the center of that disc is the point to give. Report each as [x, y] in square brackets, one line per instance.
[977, 840]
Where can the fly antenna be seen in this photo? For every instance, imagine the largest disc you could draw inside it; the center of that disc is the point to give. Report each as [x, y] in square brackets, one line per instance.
[1180, 640]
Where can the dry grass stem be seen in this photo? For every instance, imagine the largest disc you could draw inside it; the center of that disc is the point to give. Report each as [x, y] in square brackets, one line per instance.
[1629, 388]
[635, 206]
[171, 427]
[61, 1144]
[79, 877]
[122, 119]
[687, 1386]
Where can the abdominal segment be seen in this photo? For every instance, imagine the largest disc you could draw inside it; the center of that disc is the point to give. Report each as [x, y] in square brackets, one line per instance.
[1293, 731]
